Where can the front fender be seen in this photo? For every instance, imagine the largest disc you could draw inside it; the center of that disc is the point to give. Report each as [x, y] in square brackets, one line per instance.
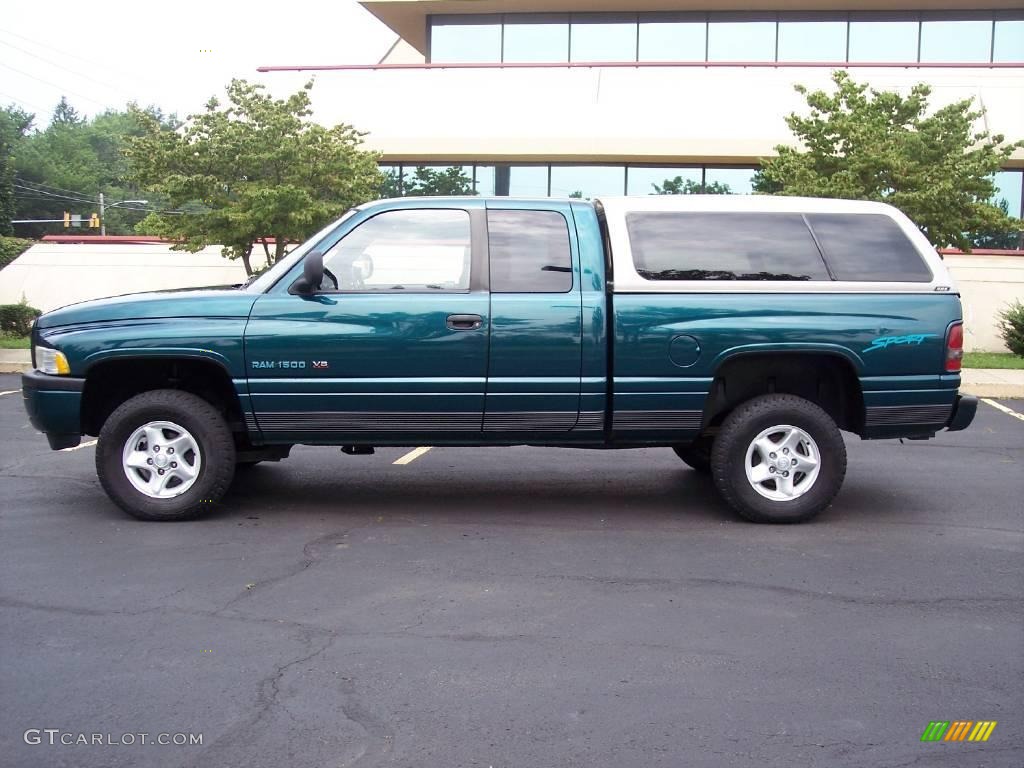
[219, 340]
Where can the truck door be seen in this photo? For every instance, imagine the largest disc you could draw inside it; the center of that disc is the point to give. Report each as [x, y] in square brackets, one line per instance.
[393, 347]
[533, 378]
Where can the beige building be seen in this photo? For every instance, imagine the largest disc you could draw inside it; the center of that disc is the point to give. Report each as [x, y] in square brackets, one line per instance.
[555, 97]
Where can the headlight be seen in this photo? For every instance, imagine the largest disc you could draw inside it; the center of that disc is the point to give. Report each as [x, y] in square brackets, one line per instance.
[49, 360]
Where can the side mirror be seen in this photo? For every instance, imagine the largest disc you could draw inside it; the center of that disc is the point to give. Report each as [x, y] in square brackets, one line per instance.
[312, 275]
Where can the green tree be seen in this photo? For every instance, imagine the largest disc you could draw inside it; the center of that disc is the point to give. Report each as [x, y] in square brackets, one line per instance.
[426, 181]
[255, 169]
[859, 143]
[65, 114]
[681, 186]
[65, 166]
[14, 124]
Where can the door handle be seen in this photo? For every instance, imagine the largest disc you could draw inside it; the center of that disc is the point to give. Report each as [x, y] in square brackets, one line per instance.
[465, 322]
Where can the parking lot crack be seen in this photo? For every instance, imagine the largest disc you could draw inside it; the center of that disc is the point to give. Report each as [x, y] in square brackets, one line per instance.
[312, 553]
[268, 693]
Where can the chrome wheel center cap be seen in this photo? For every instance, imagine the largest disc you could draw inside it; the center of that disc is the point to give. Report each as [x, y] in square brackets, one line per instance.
[161, 460]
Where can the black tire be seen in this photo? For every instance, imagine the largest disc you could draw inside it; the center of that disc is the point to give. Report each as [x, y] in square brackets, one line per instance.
[206, 425]
[743, 425]
[697, 455]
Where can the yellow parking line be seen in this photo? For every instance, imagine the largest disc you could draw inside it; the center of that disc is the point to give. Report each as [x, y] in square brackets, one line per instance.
[412, 455]
[89, 444]
[9, 392]
[1003, 408]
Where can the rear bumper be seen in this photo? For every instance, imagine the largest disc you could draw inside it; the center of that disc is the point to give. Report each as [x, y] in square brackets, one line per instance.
[54, 406]
[963, 413]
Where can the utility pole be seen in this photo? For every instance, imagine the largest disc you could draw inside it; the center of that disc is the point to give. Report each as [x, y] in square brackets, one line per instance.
[103, 219]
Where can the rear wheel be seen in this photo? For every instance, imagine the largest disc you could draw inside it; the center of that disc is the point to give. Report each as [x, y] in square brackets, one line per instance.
[165, 455]
[696, 454]
[779, 459]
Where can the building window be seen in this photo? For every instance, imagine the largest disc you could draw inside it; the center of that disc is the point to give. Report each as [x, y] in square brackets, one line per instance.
[1008, 44]
[577, 181]
[528, 181]
[812, 40]
[602, 38]
[587, 181]
[894, 41]
[644, 180]
[741, 40]
[392, 186]
[732, 181]
[667, 38]
[465, 40]
[483, 180]
[813, 36]
[1010, 190]
[537, 39]
[962, 41]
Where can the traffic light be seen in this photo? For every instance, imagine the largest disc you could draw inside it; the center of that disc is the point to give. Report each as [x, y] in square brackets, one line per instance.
[94, 221]
[67, 219]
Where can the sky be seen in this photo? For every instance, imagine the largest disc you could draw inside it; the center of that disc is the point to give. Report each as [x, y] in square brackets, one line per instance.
[106, 53]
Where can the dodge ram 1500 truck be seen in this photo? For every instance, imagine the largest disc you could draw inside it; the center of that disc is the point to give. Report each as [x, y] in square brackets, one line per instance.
[742, 332]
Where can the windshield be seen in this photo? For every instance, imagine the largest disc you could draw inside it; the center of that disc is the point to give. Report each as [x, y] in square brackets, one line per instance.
[262, 283]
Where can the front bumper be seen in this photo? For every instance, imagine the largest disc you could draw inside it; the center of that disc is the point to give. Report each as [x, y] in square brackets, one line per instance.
[54, 406]
[963, 413]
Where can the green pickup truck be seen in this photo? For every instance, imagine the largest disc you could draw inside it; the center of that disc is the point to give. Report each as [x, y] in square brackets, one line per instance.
[744, 333]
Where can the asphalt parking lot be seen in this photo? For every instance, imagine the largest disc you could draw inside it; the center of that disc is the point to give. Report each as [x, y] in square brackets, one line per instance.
[516, 607]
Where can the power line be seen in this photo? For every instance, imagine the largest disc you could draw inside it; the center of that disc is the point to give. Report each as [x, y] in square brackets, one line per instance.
[77, 73]
[54, 85]
[52, 48]
[53, 195]
[77, 197]
[50, 187]
[22, 102]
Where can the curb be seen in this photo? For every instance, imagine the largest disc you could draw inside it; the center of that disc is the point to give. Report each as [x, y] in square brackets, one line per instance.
[15, 360]
[1005, 391]
[994, 382]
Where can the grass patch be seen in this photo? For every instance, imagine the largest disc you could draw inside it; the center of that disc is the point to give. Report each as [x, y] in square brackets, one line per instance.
[14, 342]
[992, 360]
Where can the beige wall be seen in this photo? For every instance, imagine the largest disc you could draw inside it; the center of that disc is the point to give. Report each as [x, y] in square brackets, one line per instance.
[987, 284]
[51, 275]
[657, 115]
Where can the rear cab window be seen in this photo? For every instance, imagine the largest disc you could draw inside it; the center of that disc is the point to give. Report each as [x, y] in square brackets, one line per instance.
[530, 251]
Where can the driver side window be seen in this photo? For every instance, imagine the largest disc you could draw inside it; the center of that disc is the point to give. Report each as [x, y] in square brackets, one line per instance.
[421, 250]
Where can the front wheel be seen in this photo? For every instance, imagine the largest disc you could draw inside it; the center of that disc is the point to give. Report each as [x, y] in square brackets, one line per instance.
[165, 455]
[778, 459]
